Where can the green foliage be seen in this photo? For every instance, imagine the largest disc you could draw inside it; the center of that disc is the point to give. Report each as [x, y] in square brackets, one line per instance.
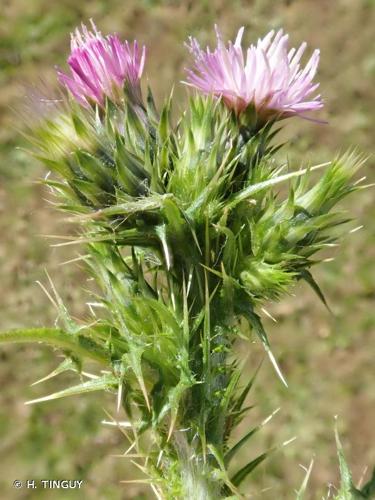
[77, 344]
[347, 489]
[187, 232]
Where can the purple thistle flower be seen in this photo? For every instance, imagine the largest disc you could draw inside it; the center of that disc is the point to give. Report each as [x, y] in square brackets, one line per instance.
[101, 65]
[268, 76]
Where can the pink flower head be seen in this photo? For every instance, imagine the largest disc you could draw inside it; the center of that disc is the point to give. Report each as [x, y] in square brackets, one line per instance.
[101, 65]
[268, 76]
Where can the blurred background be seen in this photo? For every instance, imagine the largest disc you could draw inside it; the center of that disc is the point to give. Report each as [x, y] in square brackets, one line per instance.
[327, 359]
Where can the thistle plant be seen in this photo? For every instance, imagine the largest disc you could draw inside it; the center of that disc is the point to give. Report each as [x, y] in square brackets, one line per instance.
[188, 226]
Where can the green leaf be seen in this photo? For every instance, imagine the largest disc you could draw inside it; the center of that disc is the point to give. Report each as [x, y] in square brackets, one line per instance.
[245, 471]
[139, 206]
[369, 488]
[248, 468]
[241, 399]
[164, 123]
[256, 324]
[230, 454]
[347, 490]
[308, 277]
[95, 170]
[151, 107]
[66, 365]
[88, 190]
[131, 173]
[98, 384]
[59, 167]
[346, 485]
[75, 343]
[260, 186]
[223, 470]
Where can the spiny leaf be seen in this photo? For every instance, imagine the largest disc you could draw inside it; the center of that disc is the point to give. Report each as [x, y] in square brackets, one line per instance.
[139, 206]
[164, 123]
[239, 477]
[346, 485]
[66, 365]
[256, 323]
[347, 490]
[308, 277]
[134, 358]
[99, 384]
[230, 454]
[223, 470]
[95, 170]
[77, 344]
[260, 186]
[241, 399]
[245, 471]
[151, 107]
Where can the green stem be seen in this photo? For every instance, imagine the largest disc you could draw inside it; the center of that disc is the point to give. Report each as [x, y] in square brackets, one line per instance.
[78, 344]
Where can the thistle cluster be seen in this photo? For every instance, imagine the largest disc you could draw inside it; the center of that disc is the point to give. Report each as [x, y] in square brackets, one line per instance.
[187, 233]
